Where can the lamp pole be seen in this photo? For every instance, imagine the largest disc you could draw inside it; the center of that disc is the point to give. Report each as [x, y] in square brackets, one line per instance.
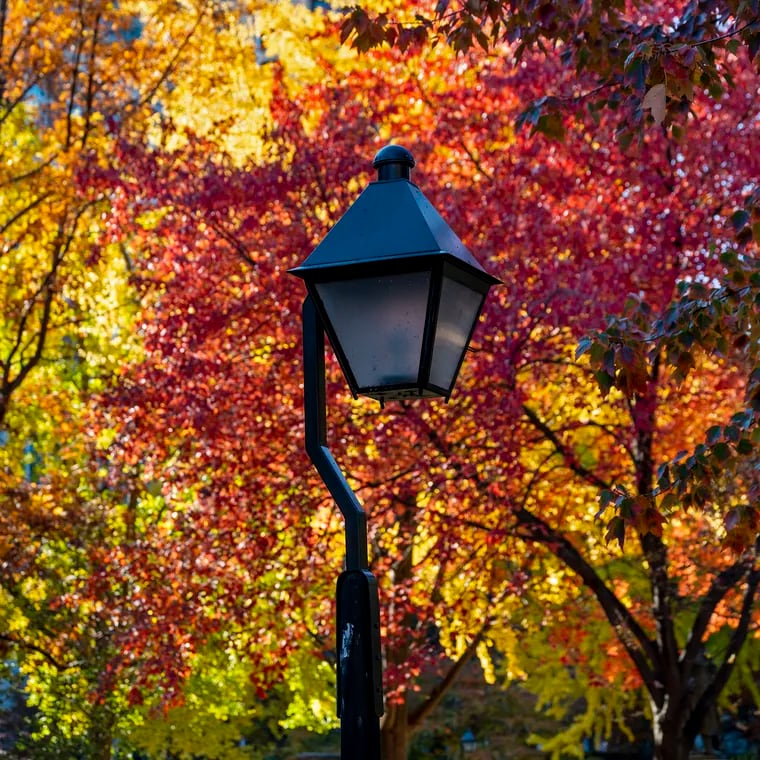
[399, 296]
[360, 689]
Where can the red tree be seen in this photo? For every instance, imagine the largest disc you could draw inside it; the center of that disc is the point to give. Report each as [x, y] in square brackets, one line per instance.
[213, 413]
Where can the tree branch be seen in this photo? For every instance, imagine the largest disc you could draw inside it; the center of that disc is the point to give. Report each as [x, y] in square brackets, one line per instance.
[3, 17]
[632, 636]
[727, 35]
[709, 696]
[656, 555]
[26, 365]
[239, 247]
[720, 586]
[31, 173]
[560, 448]
[23, 211]
[74, 79]
[145, 99]
[438, 692]
[35, 648]
[739, 635]
[90, 92]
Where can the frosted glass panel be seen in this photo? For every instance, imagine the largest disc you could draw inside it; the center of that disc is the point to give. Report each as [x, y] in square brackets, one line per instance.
[460, 306]
[379, 322]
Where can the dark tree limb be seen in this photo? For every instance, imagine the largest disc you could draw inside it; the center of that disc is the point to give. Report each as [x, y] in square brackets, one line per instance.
[632, 636]
[57, 664]
[570, 460]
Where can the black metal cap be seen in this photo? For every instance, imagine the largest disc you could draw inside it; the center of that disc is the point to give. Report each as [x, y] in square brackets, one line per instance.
[393, 162]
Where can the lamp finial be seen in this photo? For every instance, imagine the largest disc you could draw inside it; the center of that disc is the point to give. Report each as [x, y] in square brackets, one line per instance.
[393, 162]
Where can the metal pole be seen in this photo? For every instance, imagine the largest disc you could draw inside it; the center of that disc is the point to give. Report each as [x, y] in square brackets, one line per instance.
[360, 688]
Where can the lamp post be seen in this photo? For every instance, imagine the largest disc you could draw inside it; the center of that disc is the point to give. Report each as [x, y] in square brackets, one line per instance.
[468, 742]
[399, 296]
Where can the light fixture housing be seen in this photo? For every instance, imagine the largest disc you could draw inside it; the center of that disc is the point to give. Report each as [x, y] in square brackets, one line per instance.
[397, 291]
[468, 742]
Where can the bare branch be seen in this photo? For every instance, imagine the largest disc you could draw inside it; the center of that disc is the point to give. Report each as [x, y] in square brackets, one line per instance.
[90, 95]
[23, 211]
[61, 248]
[438, 692]
[738, 637]
[74, 79]
[10, 107]
[150, 94]
[3, 17]
[240, 249]
[720, 586]
[31, 173]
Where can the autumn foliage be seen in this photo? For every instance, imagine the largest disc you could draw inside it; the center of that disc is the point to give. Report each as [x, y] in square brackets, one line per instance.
[581, 516]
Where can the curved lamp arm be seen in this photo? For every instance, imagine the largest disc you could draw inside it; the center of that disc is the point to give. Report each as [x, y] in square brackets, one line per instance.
[316, 438]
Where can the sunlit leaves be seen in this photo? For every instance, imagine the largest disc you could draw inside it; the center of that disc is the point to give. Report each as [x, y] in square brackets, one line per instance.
[485, 522]
[649, 71]
[719, 321]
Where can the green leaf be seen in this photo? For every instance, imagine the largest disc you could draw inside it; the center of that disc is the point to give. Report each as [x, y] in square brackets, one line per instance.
[625, 138]
[597, 353]
[530, 115]
[753, 45]
[583, 346]
[722, 451]
[608, 362]
[744, 447]
[605, 382]
[715, 90]
[686, 338]
[701, 496]
[636, 70]
[626, 356]
[551, 125]
[153, 487]
[616, 531]
[730, 258]
[732, 433]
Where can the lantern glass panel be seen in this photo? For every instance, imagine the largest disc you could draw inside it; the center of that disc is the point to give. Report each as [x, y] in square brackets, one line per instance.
[458, 311]
[379, 322]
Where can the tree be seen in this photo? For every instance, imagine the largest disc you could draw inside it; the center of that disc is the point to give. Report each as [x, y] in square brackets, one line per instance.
[478, 508]
[647, 61]
[72, 75]
[483, 513]
[650, 70]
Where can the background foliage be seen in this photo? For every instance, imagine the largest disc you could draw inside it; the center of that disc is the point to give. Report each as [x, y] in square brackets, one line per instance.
[581, 518]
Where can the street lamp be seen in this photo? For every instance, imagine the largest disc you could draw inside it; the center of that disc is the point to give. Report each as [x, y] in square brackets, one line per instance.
[399, 297]
[468, 742]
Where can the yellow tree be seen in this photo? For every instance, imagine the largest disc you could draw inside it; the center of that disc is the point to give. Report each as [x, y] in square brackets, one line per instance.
[72, 76]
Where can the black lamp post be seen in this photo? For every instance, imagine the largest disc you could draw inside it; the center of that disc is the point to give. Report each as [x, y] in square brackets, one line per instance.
[399, 297]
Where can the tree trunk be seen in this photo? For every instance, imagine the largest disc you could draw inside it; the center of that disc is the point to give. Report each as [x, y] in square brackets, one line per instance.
[394, 732]
[101, 737]
[670, 748]
[674, 729]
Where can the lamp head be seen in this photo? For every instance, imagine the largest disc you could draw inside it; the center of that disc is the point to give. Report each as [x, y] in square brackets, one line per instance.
[397, 291]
